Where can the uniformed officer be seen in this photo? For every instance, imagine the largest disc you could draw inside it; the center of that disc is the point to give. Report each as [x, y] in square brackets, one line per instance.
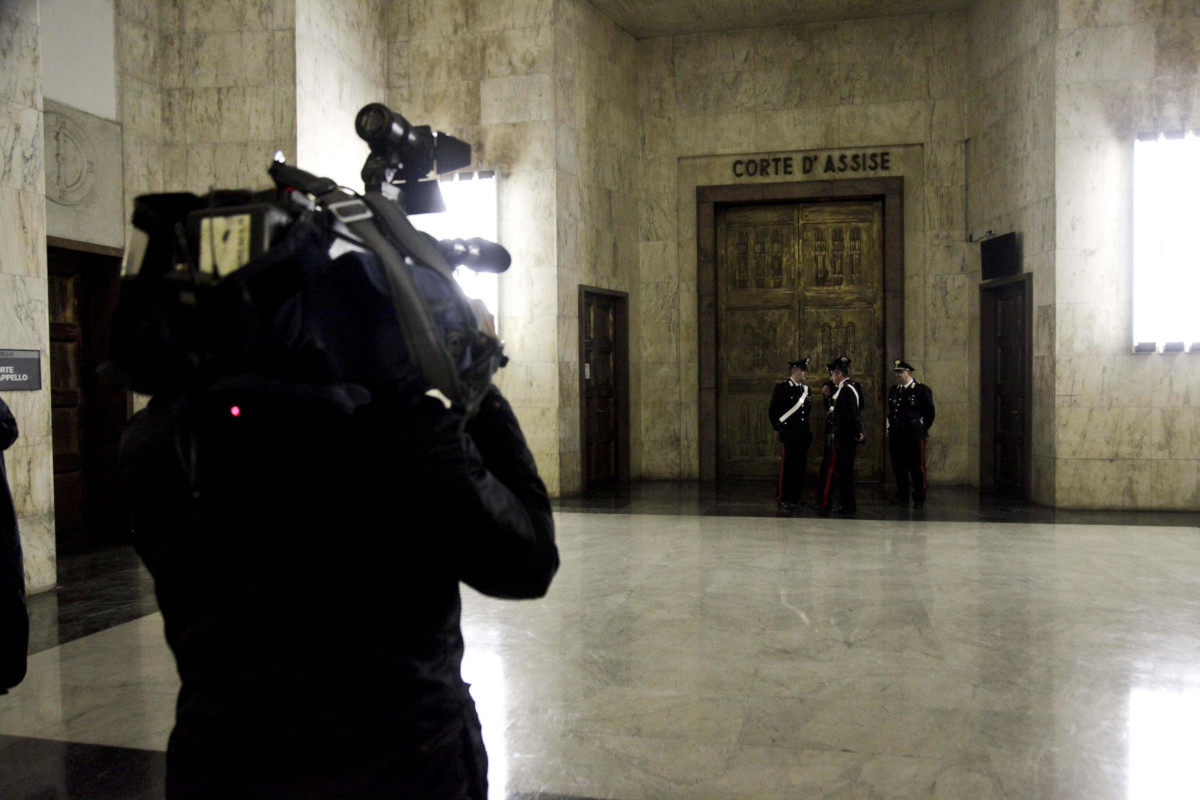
[14, 613]
[843, 434]
[909, 417]
[789, 410]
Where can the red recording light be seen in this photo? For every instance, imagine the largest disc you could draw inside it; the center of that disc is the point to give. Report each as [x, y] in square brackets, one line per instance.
[235, 411]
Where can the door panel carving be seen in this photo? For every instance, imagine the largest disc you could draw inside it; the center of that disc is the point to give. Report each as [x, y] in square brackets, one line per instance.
[758, 336]
[796, 279]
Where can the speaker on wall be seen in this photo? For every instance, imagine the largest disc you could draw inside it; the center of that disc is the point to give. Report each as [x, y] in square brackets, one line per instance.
[999, 256]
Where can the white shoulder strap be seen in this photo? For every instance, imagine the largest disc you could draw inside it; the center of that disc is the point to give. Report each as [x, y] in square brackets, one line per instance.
[795, 408]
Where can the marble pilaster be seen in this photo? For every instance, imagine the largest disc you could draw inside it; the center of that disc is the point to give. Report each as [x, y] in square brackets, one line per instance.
[1010, 181]
[23, 313]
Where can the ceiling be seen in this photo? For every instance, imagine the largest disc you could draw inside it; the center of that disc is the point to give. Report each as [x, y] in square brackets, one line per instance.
[646, 19]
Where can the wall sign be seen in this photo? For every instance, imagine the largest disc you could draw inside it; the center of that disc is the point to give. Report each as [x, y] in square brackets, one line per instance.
[20, 370]
[829, 163]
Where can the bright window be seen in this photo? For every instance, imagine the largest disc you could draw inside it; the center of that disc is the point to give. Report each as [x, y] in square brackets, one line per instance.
[471, 210]
[1166, 213]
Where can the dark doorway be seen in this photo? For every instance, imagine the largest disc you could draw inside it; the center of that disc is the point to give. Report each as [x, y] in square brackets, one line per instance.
[1006, 380]
[87, 412]
[826, 307]
[604, 386]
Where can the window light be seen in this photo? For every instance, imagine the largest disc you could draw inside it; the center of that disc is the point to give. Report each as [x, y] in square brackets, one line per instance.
[1166, 262]
[471, 210]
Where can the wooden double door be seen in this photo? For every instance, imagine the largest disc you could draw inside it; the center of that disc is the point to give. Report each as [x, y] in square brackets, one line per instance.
[794, 280]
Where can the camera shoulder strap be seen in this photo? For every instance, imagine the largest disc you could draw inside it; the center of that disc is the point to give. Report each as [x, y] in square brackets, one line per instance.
[368, 218]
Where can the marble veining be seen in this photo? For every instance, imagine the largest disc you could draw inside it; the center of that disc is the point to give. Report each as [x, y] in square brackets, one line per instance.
[21, 153]
[22, 326]
[21, 80]
[22, 233]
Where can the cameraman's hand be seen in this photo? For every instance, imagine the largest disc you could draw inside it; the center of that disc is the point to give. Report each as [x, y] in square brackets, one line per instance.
[515, 556]
[498, 437]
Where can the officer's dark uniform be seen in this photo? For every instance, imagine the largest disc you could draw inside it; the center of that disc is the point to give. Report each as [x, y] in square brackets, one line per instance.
[789, 413]
[843, 428]
[14, 618]
[910, 415]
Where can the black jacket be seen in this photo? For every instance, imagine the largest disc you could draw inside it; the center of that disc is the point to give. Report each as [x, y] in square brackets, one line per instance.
[844, 421]
[14, 618]
[793, 401]
[910, 410]
[308, 573]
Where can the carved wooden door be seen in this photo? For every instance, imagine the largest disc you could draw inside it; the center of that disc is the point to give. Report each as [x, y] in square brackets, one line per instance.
[794, 280]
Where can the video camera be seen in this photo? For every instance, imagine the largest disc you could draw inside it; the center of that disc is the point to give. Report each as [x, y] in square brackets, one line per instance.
[310, 289]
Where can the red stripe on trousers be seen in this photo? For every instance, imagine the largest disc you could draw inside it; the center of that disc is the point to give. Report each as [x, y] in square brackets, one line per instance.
[924, 479]
[779, 485]
[829, 478]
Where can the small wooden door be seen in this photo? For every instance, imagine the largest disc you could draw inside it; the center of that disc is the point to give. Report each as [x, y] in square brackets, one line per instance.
[87, 412]
[1005, 385]
[794, 280]
[604, 392]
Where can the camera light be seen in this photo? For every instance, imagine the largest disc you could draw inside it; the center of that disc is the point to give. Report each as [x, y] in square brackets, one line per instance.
[235, 411]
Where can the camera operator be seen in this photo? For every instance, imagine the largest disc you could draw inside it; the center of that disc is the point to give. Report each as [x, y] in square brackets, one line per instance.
[312, 597]
[305, 500]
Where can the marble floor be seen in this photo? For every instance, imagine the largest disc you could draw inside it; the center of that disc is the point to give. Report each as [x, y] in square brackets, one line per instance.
[697, 645]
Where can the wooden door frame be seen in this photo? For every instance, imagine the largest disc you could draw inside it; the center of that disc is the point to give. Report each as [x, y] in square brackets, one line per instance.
[621, 306]
[987, 385]
[708, 198]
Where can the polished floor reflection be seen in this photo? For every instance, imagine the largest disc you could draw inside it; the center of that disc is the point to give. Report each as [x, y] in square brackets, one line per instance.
[701, 654]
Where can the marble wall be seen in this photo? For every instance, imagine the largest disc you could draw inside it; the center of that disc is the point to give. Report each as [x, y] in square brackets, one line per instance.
[23, 309]
[893, 82]
[144, 162]
[488, 71]
[597, 145]
[207, 92]
[1011, 154]
[1127, 428]
[339, 67]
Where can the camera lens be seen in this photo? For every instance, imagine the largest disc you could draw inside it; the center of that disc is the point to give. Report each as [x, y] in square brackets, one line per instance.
[372, 121]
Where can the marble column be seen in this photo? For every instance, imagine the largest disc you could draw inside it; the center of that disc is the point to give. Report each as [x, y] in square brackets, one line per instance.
[23, 310]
